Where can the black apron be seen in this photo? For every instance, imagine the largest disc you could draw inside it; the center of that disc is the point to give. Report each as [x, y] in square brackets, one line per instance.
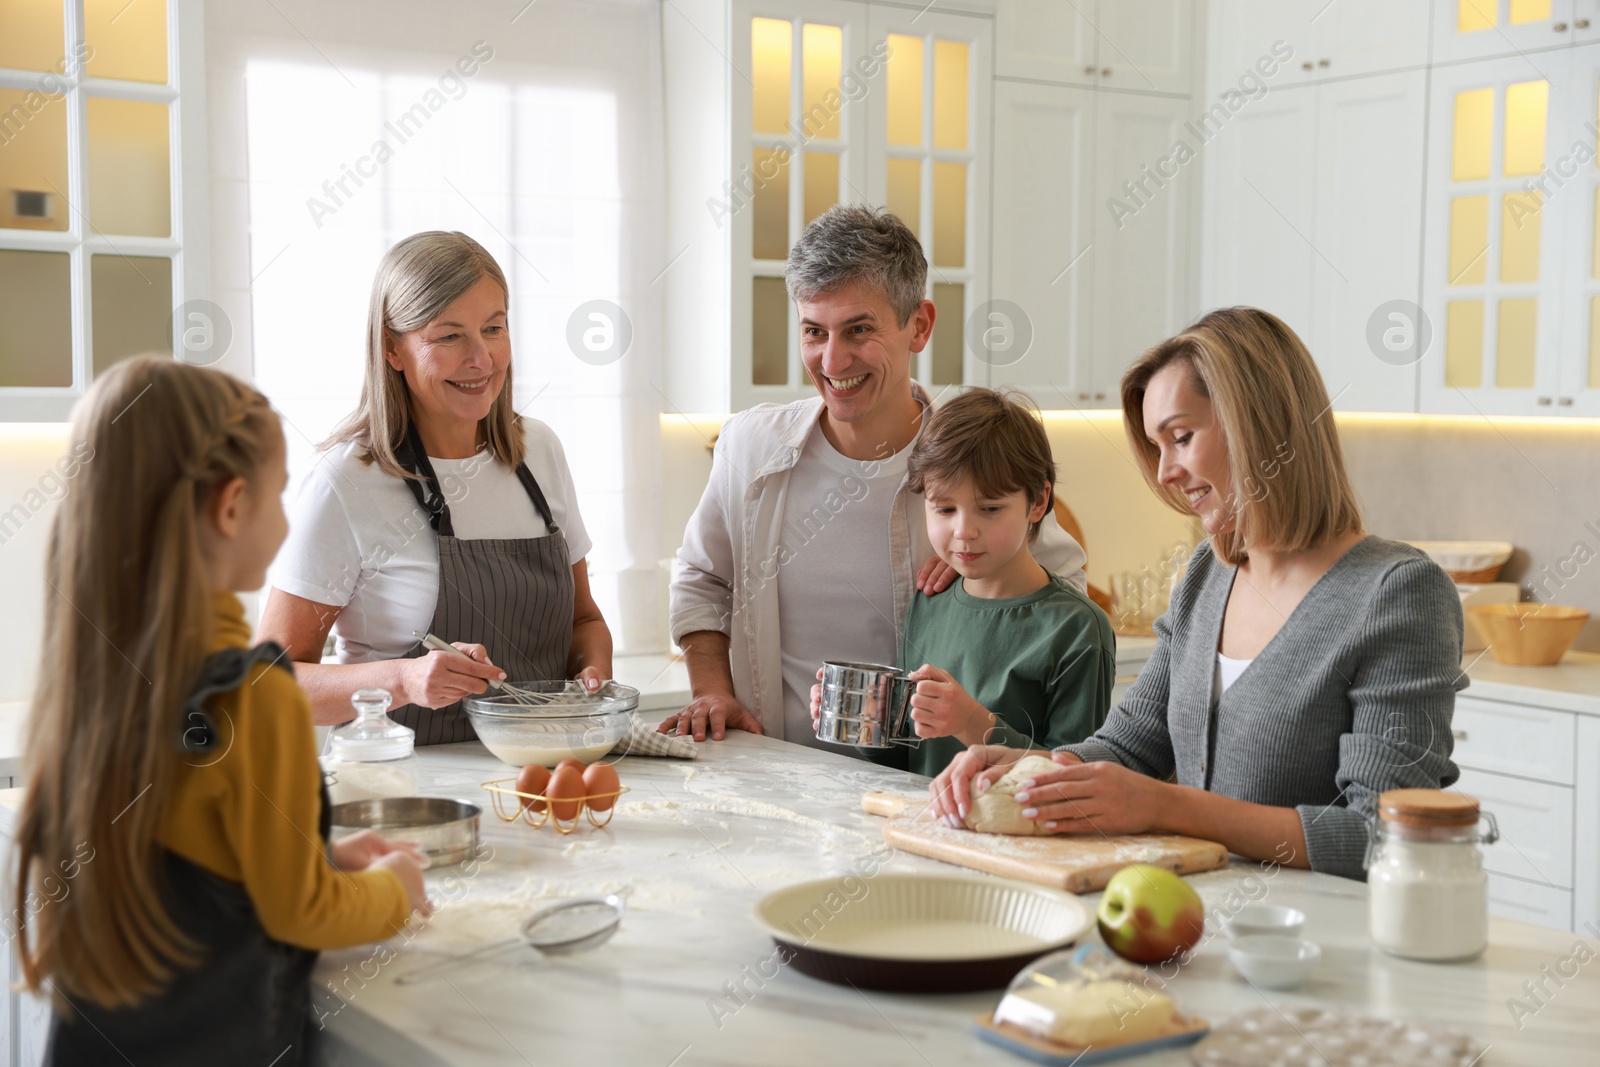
[248, 1001]
[513, 596]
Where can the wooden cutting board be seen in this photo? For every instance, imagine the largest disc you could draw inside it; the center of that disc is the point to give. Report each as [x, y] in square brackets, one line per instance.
[1078, 864]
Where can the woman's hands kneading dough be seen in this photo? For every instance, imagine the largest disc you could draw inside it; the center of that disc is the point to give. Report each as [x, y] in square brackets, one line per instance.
[1076, 798]
[974, 772]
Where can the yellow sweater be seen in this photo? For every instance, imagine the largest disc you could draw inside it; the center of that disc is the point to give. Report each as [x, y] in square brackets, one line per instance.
[247, 812]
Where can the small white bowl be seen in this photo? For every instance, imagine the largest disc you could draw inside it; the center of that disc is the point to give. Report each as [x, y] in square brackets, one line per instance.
[1255, 919]
[1274, 962]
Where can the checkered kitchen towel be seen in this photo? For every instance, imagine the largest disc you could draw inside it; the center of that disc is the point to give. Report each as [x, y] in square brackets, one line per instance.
[642, 740]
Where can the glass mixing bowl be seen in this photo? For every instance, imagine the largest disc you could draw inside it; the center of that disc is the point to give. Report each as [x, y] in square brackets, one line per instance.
[574, 724]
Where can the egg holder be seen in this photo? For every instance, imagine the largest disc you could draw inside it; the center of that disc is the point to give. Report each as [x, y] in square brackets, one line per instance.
[504, 795]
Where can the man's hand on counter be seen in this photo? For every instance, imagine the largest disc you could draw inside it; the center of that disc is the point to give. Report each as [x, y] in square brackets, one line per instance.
[717, 712]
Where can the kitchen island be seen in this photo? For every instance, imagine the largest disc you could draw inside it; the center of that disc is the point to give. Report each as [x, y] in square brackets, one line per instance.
[689, 979]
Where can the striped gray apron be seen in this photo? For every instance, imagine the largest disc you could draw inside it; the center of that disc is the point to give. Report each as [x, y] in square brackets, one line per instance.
[513, 596]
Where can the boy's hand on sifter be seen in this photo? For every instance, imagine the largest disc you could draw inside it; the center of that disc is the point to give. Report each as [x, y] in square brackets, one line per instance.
[941, 707]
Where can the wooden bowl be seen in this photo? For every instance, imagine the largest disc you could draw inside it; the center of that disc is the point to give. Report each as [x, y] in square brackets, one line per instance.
[1528, 635]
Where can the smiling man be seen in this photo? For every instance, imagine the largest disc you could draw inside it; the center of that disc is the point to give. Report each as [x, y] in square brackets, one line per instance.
[807, 545]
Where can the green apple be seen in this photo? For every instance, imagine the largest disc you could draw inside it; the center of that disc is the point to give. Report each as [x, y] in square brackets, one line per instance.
[1149, 915]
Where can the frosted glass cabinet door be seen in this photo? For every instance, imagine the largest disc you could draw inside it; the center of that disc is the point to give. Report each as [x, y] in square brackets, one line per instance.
[1492, 278]
[1481, 29]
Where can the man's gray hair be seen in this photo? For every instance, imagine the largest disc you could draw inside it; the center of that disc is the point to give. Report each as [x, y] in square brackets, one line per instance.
[853, 242]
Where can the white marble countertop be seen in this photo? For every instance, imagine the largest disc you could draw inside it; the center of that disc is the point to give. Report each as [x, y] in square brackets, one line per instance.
[700, 842]
[1571, 685]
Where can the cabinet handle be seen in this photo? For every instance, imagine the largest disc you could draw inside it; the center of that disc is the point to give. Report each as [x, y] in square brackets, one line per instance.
[1459, 735]
[1306, 65]
[1083, 396]
[1089, 69]
[1565, 401]
[1105, 72]
[1099, 396]
[1544, 401]
[1559, 27]
[1323, 62]
[1582, 24]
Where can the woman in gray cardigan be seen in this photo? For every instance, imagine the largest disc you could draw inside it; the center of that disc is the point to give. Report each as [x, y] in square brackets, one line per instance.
[1303, 667]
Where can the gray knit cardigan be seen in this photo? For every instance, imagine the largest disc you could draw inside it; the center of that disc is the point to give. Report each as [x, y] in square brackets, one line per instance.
[1351, 697]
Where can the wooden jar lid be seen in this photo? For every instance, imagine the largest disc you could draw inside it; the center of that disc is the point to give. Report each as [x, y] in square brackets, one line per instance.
[1427, 807]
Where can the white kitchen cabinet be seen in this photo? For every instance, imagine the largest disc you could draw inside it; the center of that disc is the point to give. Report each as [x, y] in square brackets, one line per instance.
[1368, 236]
[1514, 739]
[1586, 842]
[1044, 207]
[1143, 45]
[1537, 770]
[25, 1020]
[1046, 40]
[1301, 222]
[1260, 208]
[1092, 234]
[1147, 45]
[1340, 40]
[1531, 902]
[1535, 820]
[1483, 29]
[1141, 261]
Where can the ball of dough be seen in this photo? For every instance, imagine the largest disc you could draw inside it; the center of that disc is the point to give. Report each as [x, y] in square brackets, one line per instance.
[996, 811]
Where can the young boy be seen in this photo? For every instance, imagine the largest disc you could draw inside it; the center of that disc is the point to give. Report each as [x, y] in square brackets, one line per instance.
[1010, 654]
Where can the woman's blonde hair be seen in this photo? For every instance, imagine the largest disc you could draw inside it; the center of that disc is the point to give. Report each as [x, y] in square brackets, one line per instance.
[128, 623]
[1290, 489]
[417, 279]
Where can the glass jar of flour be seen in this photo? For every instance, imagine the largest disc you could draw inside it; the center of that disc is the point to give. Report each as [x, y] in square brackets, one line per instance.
[372, 756]
[1428, 895]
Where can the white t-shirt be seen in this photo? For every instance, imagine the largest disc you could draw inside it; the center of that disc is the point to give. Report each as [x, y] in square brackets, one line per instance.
[835, 578]
[1227, 672]
[358, 540]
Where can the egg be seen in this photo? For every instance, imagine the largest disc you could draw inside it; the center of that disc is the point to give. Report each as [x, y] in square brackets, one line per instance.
[565, 792]
[569, 762]
[601, 778]
[532, 779]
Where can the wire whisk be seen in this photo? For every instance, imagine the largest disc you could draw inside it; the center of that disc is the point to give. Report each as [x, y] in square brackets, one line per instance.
[517, 693]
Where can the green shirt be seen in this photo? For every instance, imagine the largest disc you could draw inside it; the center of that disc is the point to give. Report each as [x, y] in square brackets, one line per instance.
[1044, 663]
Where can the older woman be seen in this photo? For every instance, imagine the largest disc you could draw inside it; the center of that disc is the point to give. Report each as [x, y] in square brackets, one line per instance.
[435, 507]
[1303, 667]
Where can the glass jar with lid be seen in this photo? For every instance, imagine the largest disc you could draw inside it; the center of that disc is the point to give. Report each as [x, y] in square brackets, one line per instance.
[371, 756]
[1428, 894]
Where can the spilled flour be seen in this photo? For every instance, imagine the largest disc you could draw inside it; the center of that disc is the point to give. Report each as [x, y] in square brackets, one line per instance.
[477, 920]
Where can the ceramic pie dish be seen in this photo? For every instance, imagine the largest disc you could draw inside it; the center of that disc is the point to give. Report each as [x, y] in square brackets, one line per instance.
[919, 933]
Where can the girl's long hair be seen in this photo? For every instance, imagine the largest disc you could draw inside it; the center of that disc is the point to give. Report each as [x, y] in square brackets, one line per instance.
[127, 626]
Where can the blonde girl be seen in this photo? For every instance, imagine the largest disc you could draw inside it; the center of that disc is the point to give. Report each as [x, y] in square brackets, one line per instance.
[174, 880]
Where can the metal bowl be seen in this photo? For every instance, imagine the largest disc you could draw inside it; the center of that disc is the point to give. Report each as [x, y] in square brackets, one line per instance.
[867, 705]
[446, 830]
[573, 725]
